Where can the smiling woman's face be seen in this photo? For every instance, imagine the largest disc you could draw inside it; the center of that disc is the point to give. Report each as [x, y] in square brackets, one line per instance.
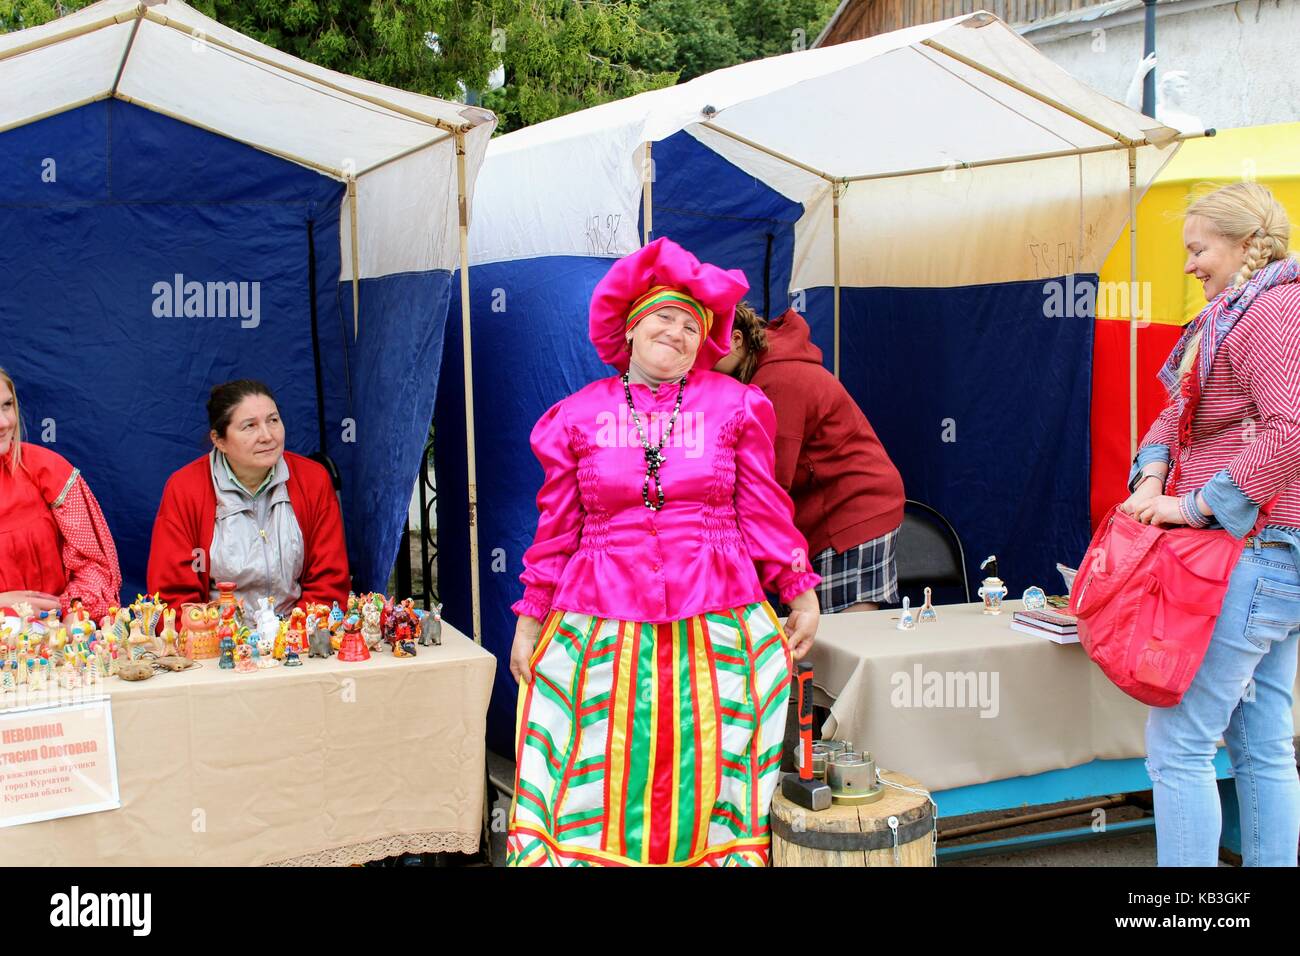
[665, 342]
[8, 418]
[254, 439]
[1211, 257]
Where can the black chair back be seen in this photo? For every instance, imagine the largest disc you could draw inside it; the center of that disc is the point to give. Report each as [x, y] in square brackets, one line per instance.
[929, 553]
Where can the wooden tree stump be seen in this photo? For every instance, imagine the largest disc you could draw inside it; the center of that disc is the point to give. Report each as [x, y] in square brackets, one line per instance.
[855, 835]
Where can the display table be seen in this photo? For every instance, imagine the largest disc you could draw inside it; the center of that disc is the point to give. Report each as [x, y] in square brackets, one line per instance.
[967, 700]
[328, 763]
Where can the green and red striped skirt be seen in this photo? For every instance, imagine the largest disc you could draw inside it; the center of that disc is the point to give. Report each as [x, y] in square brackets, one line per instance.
[650, 743]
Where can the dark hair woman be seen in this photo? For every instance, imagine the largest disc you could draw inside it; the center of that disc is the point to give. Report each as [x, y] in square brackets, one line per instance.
[249, 512]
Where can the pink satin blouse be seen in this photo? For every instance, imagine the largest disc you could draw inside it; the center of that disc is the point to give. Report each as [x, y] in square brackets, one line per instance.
[725, 531]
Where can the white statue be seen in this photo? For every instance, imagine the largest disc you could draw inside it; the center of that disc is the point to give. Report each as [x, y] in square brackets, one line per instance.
[267, 622]
[1173, 90]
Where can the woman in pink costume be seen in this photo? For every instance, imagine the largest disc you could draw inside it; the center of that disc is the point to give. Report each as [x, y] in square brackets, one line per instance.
[654, 676]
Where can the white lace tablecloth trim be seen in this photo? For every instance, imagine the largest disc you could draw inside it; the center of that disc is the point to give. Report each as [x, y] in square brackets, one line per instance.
[433, 842]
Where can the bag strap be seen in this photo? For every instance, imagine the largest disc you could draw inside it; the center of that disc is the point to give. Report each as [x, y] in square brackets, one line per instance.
[1099, 591]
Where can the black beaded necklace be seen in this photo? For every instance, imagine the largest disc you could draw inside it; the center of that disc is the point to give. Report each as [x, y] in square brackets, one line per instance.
[654, 457]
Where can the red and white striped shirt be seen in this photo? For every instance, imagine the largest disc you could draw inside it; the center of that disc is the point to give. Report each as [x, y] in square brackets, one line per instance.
[1248, 420]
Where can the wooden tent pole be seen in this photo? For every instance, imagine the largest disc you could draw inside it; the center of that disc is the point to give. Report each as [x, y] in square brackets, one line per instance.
[835, 234]
[1132, 305]
[356, 258]
[462, 209]
[647, 199]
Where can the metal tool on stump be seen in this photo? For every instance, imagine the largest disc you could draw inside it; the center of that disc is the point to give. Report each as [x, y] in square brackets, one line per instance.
[803, 790]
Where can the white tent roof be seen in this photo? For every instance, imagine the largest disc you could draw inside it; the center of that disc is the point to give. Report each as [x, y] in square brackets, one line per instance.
[946, 97]
[167, 57]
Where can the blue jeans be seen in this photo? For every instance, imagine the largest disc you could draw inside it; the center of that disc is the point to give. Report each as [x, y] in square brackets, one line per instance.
[1243, 692]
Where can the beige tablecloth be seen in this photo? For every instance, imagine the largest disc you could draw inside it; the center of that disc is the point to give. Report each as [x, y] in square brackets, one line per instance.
[967, 700]
[328, 763]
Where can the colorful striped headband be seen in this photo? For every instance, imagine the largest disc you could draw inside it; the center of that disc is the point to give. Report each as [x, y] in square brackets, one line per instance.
[661, 295]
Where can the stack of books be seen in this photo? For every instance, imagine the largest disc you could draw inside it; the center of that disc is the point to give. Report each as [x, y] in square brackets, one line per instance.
[1054, 625]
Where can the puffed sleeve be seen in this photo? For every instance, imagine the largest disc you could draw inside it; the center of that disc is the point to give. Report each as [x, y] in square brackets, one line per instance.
[559, 522]
[89, 555]
[764, 510]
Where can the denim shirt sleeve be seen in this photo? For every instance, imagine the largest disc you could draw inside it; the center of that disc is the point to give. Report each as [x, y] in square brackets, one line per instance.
[1232, 509]
[1146, 455]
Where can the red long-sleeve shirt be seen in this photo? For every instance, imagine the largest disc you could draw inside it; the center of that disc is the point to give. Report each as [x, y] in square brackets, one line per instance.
[179, 557]
[53, 536]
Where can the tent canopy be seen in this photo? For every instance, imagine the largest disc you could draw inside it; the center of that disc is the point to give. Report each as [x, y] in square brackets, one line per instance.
[307, 223]
[946, 97]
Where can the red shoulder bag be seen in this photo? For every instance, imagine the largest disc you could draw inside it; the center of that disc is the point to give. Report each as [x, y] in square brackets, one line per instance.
[1147, 597]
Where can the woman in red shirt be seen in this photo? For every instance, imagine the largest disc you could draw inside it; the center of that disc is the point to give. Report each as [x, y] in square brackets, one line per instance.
[249, 512]
[1241, 453]
[55, 546]
[848, 496]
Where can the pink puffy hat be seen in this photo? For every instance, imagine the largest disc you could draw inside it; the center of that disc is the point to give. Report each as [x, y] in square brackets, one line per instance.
[664, 263]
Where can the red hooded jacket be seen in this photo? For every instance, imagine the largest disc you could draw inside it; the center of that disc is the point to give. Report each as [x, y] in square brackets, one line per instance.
[187, 517]
[846, 491]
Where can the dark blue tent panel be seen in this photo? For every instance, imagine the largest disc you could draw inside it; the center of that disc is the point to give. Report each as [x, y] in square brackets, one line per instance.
[983, 404]
[725, 216]
[145, 261]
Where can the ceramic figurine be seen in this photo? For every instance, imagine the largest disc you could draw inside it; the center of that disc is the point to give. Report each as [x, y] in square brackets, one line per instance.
[147, 611]
[908, 621]
[430, 630]
[244, 663]
[37, 673]
[370, 629]
[353, 647]
[170, 639]
[291, 658]
[1035, 598]
[227, 661]
[8, 678]
[265, 648]
[226, 602]
[199, 639]
[298, 628]
[992, 589]
[24, 610]
[267, 622]
[403, 642]
[928, 615]
[319, 640]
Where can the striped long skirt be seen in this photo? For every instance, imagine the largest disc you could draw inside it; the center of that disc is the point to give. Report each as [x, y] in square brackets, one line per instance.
[650, 743]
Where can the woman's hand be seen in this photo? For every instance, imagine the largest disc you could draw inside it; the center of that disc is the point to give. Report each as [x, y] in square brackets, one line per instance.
[527, 630]
[1162, 509]
[39, 600]
[801, 625]
[1148, 489]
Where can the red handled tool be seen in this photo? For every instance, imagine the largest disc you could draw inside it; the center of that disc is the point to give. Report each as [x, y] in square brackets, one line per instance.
[803, 790]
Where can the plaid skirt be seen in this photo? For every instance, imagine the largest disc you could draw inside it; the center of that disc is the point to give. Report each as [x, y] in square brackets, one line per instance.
[650, 743]
[868, 572]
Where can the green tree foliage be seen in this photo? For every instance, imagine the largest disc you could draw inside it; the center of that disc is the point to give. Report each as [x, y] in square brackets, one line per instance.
[558, 55]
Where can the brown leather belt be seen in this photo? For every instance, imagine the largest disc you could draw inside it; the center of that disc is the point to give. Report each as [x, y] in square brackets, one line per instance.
[1251, 542]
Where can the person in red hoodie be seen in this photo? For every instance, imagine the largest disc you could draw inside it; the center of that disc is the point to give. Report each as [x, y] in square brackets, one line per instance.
[249, 512]
[848, 496]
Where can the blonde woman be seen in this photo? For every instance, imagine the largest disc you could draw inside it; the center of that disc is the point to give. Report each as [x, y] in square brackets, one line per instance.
[1239, 362]
[55, 546]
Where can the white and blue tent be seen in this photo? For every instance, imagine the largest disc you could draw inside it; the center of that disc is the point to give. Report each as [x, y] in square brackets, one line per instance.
[182, 205]
[913, 194]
